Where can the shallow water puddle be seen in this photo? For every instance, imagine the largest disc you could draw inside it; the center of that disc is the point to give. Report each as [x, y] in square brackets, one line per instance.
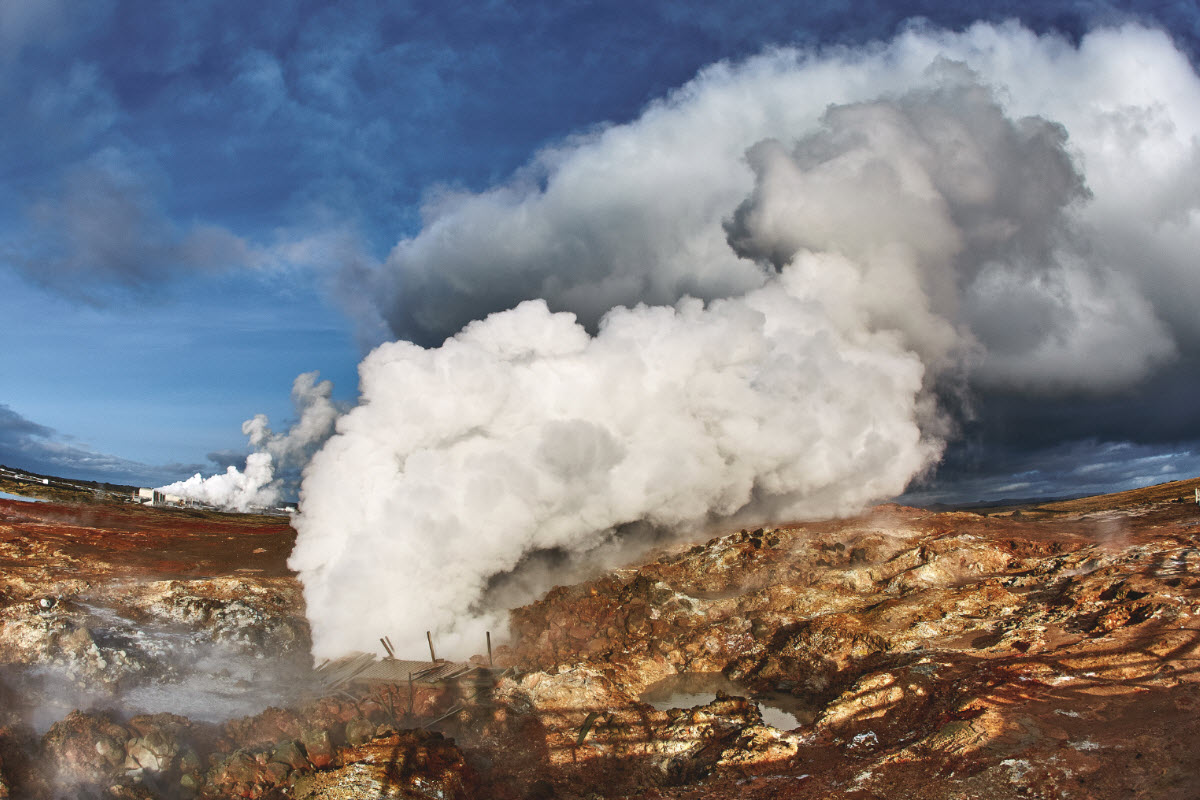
[690, 689]
[20, 498]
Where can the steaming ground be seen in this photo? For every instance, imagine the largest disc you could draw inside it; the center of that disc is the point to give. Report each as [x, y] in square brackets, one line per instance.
[109, 605]
[211, 650]
[158, 666]
[765, 298]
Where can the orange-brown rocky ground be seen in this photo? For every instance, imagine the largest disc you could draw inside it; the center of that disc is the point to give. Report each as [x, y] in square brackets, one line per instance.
[1046, 653]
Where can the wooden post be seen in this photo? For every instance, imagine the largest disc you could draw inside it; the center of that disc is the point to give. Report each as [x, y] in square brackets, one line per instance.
[387, 648]
[432, 655]
[489, 640]
[410, 694]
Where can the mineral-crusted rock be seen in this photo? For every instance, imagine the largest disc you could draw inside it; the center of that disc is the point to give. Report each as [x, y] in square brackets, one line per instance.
[153, 753]
[240, 774]
[86, 750]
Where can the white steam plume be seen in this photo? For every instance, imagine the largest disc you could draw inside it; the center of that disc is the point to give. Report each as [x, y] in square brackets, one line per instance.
[315, 415]
[262, 482]
[858, 225]
[523, 433]
[233, 489]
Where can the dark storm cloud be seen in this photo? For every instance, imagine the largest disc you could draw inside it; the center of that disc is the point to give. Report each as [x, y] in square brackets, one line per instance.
[995, 472]
[1161, 410]
[224, 459]
[1073, 444]
[27, 445]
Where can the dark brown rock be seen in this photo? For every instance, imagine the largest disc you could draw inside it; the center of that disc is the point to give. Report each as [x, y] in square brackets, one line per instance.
[318, 747]
[291, 754]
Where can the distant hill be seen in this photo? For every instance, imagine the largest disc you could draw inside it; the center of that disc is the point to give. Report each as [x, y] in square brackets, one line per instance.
[1184, 491]
[51, 487]
[1177, 491]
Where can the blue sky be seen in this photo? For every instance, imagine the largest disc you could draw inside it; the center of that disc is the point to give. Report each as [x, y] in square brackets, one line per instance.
[191, 196]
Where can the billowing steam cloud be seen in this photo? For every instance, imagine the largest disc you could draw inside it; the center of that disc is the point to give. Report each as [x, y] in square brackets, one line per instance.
[1056, 183]
[276, 456]
[740, 305]
[524, 433]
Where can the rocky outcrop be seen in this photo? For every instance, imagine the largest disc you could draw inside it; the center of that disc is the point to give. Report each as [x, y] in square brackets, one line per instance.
[338, 752]
[994, 649]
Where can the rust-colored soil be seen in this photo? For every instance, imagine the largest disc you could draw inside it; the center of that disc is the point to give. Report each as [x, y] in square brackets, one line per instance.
[1047, 651]
[124, 539]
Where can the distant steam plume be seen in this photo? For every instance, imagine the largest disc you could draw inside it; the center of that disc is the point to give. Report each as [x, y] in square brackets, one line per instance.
[277, 457]
[739, 306]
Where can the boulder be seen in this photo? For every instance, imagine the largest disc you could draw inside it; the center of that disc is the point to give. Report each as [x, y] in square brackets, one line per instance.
[87, 749]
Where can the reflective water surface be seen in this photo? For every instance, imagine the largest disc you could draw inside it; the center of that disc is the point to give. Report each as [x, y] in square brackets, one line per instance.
[9, 496]
[689, 689]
